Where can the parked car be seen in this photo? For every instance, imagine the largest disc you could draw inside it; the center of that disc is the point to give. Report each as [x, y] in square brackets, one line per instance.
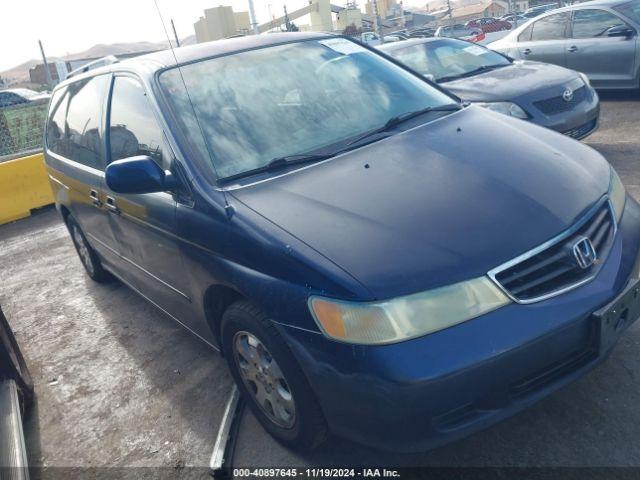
[459, 31]
[372, 38]
[539, 10]
[422, 32]
[512, 17]
[599, 38]
[17, 96]
[373, 258]
[16, 396]
[488, 25]
[548, 95]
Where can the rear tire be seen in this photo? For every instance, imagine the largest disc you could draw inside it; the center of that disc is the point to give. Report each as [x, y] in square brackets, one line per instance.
[88, 256]
[13, 365]
[270, 379]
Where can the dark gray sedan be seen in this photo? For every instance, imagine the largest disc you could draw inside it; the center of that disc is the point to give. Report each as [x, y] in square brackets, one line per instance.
[548, 95]
[599, 38]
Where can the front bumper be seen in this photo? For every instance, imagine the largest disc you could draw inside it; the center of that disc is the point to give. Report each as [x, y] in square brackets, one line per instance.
[424, 392]
[579, 122]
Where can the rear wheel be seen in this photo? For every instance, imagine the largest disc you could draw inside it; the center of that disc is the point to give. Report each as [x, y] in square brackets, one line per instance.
[270, 378]
[88, 257]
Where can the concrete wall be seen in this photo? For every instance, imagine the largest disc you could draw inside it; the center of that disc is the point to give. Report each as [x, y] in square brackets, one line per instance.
[24, 185]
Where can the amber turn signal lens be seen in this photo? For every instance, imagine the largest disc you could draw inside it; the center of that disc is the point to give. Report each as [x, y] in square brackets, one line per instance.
[330, 318]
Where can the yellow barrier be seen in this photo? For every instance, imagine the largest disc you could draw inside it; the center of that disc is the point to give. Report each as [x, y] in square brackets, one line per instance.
[24, 185]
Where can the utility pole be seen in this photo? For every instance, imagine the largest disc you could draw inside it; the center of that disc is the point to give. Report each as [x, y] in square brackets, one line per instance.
[287, 23]
[252, 18]
[450, 13]
[174, 33]
[47, 72]
[376, 21]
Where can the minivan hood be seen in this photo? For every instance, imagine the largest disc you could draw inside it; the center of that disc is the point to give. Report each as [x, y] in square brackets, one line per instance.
[440, 203]
[507, 83]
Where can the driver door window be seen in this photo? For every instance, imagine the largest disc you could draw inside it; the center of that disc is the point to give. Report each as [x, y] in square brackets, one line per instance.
[594, 23]
[132, 128]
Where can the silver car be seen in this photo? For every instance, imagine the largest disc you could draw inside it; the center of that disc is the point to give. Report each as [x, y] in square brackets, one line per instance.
[598, 38]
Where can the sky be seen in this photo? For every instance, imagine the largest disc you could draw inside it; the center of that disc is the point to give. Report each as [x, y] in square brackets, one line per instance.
[71, 26]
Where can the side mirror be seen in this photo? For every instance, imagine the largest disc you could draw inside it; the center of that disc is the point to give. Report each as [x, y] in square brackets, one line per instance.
[138, 175]
[621, 31]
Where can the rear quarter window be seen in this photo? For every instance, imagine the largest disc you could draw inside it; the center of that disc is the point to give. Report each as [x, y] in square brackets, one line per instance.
[74, 128]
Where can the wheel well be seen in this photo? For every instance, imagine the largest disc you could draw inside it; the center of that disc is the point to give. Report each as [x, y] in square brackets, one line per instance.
[217, 299]
[65, 212]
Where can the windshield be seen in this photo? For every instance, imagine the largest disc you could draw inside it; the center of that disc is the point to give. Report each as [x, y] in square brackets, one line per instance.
[630, 10]
[448, 59]
[258, 105]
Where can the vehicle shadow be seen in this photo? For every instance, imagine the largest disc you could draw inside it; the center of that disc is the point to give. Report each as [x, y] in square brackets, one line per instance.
[619, 95]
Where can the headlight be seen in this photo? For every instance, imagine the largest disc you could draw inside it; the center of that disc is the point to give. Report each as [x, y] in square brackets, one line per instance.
[585, 79]
[617, 194]
[406, 317]
[507, 108]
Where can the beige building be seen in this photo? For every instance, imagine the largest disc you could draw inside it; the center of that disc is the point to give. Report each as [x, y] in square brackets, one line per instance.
[221, 22]
[385, 7]
[348, 16]
[471, 12]
[321, 20]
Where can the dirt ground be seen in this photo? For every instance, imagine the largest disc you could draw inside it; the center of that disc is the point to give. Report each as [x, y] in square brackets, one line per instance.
[119, 384]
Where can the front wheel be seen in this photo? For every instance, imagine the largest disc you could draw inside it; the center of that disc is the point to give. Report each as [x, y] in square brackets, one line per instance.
[270, 378]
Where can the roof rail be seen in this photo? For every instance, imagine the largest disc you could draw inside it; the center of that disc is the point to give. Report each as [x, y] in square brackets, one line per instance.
[101, 62]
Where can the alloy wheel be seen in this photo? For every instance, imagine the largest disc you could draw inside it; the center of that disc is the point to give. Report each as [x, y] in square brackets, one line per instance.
[83, 250]
[264, 379]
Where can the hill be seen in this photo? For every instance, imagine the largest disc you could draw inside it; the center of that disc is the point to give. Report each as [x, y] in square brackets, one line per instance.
[20, 73]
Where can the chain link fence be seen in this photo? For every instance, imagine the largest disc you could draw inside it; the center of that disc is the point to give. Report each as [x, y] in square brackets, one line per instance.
[21, 129]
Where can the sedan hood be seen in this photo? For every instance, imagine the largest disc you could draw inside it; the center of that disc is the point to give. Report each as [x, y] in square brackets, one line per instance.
[440, 203]
[507, 83]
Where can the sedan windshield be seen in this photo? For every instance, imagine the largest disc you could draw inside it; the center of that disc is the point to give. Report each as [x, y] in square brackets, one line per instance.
[449, 59]
[631, 10]
[244, 110]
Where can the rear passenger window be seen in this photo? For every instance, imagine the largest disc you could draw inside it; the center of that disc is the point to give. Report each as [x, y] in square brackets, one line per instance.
[84, 113]
[552, 27]
[56, 124]
[133, 127]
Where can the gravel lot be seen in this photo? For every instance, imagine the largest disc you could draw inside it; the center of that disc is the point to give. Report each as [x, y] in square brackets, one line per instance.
[119, 384]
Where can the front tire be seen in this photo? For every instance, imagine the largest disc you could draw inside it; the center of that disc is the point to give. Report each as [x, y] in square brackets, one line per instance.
[88, 256]
[270, 379]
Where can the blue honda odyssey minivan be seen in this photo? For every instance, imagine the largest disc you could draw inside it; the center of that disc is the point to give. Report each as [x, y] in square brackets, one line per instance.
[373, 258]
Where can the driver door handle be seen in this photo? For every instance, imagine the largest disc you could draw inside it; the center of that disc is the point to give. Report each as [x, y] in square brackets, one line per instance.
[572, 49]
[111, 205]
[526, 51]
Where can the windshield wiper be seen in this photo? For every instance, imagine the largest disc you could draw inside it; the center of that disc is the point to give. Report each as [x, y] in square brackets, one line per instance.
[470, 73]
[397, 120]
[288, 160]
[280, 162]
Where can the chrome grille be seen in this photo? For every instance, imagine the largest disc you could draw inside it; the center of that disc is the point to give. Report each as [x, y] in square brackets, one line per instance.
[555, 105]
[581, 131]
[554, 268]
